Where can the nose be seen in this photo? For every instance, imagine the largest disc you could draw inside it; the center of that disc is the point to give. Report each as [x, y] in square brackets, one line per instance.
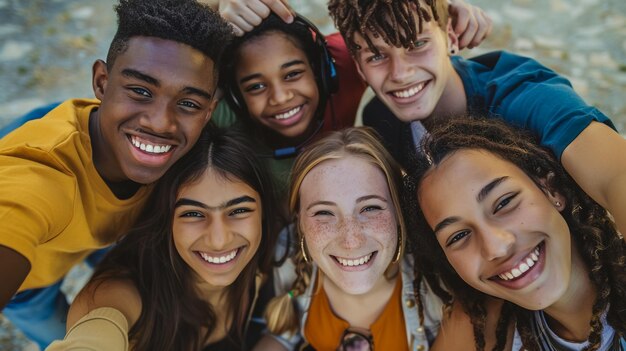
[352, 236]
[401, 68]
[280, 95]
[160, 120]
[218, 235]
[496, 242]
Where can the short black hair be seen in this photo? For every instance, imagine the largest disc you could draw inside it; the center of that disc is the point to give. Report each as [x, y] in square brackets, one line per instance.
[185, 21]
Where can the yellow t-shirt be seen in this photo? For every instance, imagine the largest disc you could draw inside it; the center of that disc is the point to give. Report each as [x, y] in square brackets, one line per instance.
[54, 207]
[323, 329]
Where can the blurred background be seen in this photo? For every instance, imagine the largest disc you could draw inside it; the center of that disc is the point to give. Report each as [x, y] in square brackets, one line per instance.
[47, 48]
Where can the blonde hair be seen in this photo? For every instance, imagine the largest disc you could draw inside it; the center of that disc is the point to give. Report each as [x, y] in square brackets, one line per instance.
[362, 142]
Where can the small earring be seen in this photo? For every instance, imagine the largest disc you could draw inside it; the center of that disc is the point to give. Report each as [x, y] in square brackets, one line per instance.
[452, 51]
[557, 203]
[306, 259]
[399, 252]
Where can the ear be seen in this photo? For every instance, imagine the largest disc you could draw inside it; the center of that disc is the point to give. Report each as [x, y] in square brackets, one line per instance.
[358, 68]
[452, 39]
[212, 105]
[99, 78]
[557, 199]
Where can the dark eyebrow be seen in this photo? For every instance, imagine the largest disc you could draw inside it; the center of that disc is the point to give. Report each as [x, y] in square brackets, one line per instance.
[132, 73]
[446, 222]
[480, 197]
[487, 188]
[238, 200]
[283, 66]
[196, 91]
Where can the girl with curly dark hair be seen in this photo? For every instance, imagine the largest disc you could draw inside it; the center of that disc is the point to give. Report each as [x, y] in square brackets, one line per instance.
[500, 218]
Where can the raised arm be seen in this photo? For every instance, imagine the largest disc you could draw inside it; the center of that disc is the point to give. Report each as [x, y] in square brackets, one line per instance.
[596, 160]
[244, 15]
[471, 24]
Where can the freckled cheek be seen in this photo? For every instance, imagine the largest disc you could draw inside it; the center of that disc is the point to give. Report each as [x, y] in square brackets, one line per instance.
[318, 235]
[385, 228]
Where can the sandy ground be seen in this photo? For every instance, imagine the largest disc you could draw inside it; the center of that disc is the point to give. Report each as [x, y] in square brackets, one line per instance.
[47, 48]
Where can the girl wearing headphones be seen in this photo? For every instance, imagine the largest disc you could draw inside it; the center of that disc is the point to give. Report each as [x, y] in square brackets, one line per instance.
[281, 80]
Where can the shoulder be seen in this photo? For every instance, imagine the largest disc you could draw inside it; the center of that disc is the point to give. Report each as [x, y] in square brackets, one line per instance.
[119, 294]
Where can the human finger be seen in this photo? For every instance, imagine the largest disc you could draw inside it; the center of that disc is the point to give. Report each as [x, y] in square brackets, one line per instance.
[281, 8]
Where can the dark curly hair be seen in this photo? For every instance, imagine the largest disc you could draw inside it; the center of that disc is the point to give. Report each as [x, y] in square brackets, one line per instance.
[392, 20]
[185, 21]
[593, 232]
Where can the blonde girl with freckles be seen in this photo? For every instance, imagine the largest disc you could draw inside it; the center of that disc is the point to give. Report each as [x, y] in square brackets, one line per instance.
[355, 287]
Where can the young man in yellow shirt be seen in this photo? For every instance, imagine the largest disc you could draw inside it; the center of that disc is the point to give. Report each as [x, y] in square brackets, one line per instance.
[73, 181]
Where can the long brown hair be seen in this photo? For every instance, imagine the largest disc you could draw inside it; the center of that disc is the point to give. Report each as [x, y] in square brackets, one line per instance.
[593, 231]
[173, 314]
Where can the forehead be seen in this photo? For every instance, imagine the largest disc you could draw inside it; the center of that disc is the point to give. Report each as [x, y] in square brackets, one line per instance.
[464, 173]
[348, 177]
[273, 47]
[213, 188]
[428, 27]
[166, 59]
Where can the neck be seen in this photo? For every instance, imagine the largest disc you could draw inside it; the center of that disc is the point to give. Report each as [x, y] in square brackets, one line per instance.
[218, 299]
[452, 102]
[570, 316]
[349, 307]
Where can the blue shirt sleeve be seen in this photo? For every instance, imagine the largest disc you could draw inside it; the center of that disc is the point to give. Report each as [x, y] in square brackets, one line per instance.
[529, 95]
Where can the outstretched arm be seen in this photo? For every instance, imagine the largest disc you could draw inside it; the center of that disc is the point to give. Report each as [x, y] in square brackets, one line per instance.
[596, 160]
[13, 270]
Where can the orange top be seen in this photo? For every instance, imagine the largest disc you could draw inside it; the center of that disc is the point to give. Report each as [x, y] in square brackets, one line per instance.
[323, 329]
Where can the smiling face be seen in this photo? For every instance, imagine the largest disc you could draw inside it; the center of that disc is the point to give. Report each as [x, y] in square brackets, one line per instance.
[502, 234]
[413, 82]
[217, 227]
[156, 99]
[277, 83]
[349, 222]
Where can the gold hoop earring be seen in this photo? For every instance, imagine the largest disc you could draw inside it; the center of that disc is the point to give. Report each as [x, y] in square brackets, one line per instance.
[306, 259]
[399, 251]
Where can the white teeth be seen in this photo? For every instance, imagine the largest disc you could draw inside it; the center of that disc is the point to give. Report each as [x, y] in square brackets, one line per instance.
[409, 92]
[355, 262]
[522, 267]
[155, 149]
[220, 259]
[289, 113]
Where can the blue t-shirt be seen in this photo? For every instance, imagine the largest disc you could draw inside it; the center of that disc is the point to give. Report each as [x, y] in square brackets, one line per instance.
[515, 88]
